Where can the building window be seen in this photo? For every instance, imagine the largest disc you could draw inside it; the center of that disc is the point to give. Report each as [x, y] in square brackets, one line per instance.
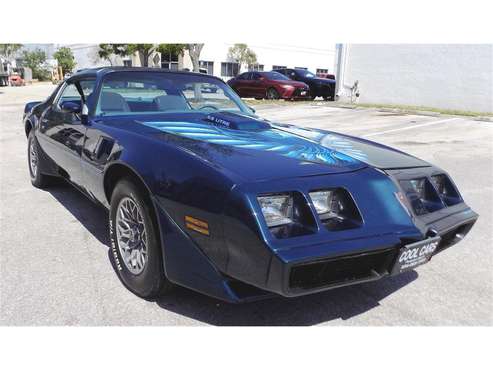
[209, 66]
[127, 63]
[322, 71]
[306, 69]
[229, 69]
[279, 67]
[256, 67]
[169, 61]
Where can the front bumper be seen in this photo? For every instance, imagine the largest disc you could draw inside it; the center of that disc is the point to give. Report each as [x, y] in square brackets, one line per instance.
[324, 260]
[321, 274]
[313, 275]
[295, 93]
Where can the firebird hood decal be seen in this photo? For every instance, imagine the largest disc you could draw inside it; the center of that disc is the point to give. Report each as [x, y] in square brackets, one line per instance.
[271, 140]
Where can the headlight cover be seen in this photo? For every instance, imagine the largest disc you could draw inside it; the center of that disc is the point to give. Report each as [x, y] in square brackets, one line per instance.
[277, 209]
[336, 209]
[422, 195]
[446, 190]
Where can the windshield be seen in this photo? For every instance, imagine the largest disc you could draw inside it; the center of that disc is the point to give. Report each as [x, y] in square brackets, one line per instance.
[276, 76]
[137, 93]
[304, 73]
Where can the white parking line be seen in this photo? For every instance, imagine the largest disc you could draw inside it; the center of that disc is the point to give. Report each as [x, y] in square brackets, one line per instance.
[411, 127]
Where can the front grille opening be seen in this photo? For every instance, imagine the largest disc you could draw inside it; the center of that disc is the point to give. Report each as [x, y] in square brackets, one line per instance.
[454, 236]
[340, 270]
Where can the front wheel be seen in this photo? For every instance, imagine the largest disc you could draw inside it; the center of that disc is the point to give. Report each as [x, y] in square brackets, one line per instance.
[38, 179]
[135, 244]
[272, 94]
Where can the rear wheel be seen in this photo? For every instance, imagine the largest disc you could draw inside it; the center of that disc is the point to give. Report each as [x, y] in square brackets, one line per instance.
[136, 249]
[272, 94]
[38, 179]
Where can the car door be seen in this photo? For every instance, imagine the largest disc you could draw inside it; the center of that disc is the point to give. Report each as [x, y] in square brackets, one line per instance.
[257, 85]
[62, 134]
[242, 85]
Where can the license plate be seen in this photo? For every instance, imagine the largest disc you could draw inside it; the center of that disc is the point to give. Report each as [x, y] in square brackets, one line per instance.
[415, 254]
[303, 93]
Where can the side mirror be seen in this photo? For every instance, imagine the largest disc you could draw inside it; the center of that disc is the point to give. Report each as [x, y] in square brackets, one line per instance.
[70, 107]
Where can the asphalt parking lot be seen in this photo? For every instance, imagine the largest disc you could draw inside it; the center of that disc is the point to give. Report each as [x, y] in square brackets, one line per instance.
[55, 267]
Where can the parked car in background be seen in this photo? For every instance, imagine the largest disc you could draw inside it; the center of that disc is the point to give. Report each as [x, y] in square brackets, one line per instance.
[318, 86]
[330, 76]
[268, 85]
[16, 80]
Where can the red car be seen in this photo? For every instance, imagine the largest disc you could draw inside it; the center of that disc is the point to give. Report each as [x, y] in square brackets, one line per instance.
[16, 80]
[268, 85]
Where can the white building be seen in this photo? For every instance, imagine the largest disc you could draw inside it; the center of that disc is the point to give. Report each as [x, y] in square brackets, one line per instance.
[452, 76]
[214, 58]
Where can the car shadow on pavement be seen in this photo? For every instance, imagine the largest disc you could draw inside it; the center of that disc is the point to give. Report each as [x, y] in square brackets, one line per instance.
[336, 304]
[93, 217]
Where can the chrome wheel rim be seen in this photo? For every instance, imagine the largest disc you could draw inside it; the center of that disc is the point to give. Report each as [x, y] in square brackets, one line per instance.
[33, 158]
[131, 235]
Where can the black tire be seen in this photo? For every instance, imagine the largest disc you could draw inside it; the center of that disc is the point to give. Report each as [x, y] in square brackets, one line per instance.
[272, 94]
[151, 281]
[312, 96]
[258, 98]
[38, 179]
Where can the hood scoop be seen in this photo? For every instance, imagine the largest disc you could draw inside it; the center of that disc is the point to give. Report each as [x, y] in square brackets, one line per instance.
[236, 121]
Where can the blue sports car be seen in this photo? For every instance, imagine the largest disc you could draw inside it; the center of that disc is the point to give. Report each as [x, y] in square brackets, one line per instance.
[204, 194]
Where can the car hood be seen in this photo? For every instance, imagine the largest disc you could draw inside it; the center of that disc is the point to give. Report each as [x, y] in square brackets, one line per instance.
[324, 81]
[255, 149]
